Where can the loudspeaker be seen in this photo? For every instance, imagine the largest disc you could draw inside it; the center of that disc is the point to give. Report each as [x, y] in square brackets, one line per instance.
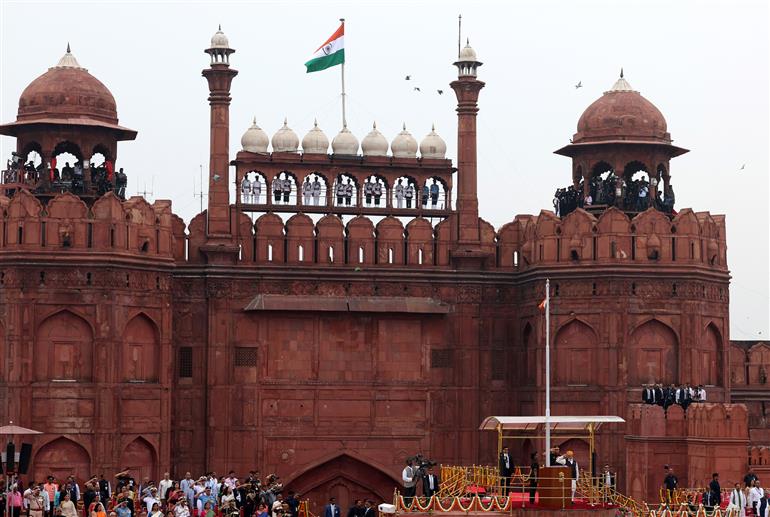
[24, 457]
[10, 456]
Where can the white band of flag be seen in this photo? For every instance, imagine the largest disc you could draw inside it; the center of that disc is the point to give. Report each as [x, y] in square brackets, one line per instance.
[330, 53]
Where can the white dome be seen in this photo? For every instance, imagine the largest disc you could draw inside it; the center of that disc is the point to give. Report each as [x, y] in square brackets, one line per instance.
[467, 53]
[374, 144]
[285, 140]
[255, 140]
[315, 141]
[219, 40]
[433, 146]
[404, 145]
[345, 142]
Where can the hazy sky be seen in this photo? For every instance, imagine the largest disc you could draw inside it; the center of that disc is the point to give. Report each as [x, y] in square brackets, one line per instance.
[704, 64]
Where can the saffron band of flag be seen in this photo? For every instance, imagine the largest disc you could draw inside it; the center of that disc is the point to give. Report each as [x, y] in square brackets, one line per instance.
[330, 53]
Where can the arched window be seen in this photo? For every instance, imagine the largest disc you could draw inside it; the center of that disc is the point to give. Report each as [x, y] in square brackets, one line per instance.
[65, 157]
[602, 184]
[434, 194]
[345, 190]
[284, 189]
[331, 253]
[404, 193]
[419, 256]
[253, 188]
[301, 253]
[375, 191]
[360, 255]
[637, 187]
[314, 190]
[390, 255]
[270, 252]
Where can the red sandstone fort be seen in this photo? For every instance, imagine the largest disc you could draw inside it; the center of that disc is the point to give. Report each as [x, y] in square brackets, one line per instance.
[327, 340]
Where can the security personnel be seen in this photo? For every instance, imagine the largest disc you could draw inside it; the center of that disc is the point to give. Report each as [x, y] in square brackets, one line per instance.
[286, 189]
[377, 190]
[256, 190]
[246, 189]
[434, 194]
[368, 191]
[277, 187]
[425, 195]
[409, 195]
[340, 192]
[348, 192]
[316, 191]
[400, 194]
[307, 192]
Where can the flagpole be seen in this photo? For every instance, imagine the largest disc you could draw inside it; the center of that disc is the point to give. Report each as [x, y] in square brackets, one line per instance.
[547, 372]
[344, 119]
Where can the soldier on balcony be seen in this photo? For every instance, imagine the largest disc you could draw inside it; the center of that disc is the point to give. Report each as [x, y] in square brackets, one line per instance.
[121, 182]
[399, 194]
[377, 191]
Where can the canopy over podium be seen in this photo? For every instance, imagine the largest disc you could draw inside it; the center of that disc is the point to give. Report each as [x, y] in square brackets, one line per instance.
[522, 427]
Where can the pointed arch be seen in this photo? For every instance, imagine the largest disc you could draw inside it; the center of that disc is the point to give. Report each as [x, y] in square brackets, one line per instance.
[60, 458]
[343, 475]
[140, 350]
[652, 354]
[140, 456]
[63, 348]
[575, 344]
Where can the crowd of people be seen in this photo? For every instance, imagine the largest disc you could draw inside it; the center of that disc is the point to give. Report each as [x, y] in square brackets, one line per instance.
[630, 195]
[667, 396]
[71, 178]
[748, 498]
[206, 496]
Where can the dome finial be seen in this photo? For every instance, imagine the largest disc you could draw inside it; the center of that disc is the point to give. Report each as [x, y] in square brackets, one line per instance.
[285, 121]
[468, 41]
[404, 126]
[621, 72]
[220, 26]
[68, 48]
[315, 122]
[374, 125]
[254, 120]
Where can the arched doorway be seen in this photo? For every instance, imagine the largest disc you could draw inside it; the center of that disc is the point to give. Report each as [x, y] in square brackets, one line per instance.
[139, 456]
[345, 478]
[708, 358]
[61, 458]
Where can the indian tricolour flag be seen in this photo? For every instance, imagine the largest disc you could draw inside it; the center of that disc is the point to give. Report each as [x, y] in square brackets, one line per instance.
[331, 53]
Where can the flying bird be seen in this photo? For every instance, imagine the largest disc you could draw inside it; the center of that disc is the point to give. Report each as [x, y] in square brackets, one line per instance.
[408, 77]
[440, 92]
[579, 85]
[417, 89]
[742, 167]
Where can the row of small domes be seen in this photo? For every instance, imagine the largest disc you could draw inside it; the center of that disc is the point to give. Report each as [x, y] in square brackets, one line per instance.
[285, 140]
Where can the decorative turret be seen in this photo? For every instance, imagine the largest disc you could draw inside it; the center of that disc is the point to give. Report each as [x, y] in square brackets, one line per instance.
[467, 89]
[220, 247]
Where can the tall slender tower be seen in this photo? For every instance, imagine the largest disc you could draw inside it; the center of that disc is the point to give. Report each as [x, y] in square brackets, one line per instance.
[467, 88]
[220, 246]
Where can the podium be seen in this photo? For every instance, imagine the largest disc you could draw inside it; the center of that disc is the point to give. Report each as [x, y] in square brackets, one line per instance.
[554, 487]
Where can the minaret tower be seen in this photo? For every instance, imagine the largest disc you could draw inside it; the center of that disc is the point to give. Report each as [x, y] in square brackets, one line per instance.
[220, 246]
[467, 88]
